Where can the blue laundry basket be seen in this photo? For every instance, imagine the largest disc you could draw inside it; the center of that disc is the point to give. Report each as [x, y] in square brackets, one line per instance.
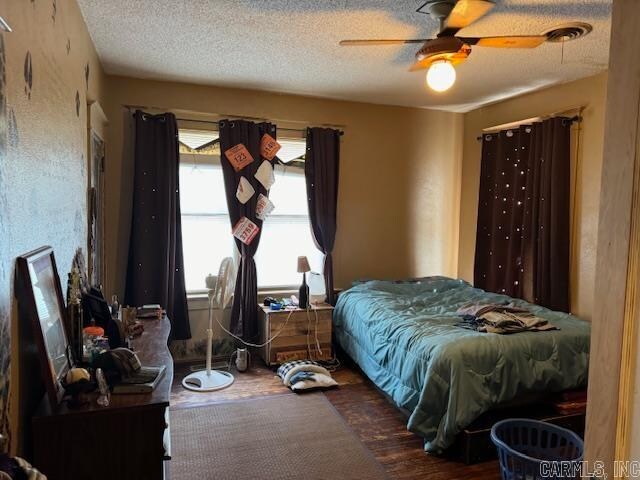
[525, 445]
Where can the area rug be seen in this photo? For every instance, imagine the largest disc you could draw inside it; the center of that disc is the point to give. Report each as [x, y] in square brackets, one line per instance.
[276, 437]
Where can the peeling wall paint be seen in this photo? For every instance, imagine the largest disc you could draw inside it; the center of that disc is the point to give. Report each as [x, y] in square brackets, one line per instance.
[49, 70]
[5, 330]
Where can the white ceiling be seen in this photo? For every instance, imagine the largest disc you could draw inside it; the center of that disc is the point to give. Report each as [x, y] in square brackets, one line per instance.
[292, 46]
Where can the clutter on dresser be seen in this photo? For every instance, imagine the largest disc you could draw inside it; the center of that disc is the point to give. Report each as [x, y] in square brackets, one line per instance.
[130, 322]
[283, 304]
[112, 436]
[153, 311]
[305, 375]
[104, 395]
[125, 373]
[80, 347]
[94, 342]
[78, 384]
[268, 301]
[75, 315]
[97, 311]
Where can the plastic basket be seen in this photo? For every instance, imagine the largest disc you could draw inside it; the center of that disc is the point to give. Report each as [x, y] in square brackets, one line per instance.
[526, 449]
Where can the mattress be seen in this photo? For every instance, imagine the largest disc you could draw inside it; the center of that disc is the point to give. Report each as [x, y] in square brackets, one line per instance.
[403, 335]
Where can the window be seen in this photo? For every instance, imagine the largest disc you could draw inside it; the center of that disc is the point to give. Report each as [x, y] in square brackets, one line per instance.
[206, 228]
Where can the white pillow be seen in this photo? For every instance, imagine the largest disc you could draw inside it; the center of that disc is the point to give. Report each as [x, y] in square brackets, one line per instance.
[303, 367]
[317, 380]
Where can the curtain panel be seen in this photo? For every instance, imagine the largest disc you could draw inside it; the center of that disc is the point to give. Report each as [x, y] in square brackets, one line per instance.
[523, 229]
[244, 313]
[322, 168]
[155, 271]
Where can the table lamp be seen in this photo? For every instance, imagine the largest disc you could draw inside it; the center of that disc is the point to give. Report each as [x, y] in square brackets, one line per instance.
[303, 268]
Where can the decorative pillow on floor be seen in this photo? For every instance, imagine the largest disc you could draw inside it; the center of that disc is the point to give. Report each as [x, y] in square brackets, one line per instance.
[307, 381]
[302, 375]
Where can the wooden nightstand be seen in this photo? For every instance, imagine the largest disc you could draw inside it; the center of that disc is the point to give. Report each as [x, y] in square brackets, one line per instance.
[302, 327]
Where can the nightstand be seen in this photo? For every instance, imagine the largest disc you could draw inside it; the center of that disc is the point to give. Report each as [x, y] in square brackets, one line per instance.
[297, 339]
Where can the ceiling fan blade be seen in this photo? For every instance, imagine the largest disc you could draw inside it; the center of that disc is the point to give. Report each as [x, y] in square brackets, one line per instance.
[464, 13]
[363, 43]
[517, 41]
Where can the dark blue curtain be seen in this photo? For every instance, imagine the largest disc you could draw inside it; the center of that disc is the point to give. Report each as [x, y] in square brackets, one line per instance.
[155, 271]
[244, 313]
[322, 169]
[523, 231]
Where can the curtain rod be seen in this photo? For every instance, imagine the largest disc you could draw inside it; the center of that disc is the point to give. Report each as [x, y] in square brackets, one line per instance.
[303, 130]
[575, 118]
[242, 117]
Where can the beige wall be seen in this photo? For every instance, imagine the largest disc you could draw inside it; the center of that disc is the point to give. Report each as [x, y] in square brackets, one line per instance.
[397, 212]
[43, 166]
[589, 92]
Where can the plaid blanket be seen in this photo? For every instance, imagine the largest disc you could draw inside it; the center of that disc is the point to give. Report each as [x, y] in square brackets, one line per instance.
[288, 366]
[291, 370]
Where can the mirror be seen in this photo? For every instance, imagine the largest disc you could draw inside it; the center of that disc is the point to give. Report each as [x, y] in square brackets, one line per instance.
[40, 295]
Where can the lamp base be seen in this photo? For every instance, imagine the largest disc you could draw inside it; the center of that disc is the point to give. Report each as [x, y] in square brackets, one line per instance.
[204, 381]
[303, 294]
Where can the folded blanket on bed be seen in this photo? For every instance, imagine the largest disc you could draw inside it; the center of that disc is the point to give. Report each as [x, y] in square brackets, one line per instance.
[499, 318]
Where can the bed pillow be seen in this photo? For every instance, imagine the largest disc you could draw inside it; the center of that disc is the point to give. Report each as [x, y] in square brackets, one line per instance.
[289, 369]
[300, 375]
[307, 381]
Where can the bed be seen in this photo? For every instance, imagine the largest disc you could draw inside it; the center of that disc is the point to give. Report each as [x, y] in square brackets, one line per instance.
[403, 335]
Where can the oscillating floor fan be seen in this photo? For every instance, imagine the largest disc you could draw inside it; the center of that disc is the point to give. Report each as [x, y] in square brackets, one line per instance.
[209, 380]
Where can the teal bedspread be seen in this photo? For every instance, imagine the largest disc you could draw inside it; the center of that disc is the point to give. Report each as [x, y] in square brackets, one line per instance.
[403, 336]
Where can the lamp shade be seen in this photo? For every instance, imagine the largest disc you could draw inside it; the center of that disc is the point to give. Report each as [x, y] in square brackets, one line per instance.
[303, 265]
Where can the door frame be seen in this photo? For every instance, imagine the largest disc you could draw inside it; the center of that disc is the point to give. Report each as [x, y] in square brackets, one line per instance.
[614, 325]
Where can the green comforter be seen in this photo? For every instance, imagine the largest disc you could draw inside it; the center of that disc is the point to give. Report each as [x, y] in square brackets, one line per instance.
[403, 336]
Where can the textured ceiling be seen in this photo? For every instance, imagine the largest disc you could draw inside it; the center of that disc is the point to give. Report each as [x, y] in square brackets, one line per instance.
[292, 46]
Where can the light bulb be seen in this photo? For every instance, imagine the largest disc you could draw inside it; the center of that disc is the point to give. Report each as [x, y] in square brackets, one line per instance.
[441, 75]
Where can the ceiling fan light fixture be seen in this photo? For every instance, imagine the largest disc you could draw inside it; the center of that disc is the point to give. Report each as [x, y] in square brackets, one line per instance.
[441, 75]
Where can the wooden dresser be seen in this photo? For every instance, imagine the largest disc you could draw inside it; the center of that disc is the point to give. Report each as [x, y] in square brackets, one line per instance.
[128, 440]
[297, 340]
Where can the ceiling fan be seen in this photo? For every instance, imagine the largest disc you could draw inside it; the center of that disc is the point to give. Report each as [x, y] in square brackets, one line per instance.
[440, 54]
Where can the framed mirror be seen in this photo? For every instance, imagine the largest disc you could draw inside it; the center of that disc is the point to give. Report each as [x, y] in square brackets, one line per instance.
[41, 297]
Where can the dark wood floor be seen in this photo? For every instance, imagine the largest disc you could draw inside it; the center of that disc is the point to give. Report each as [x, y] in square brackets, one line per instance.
[380, 426]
